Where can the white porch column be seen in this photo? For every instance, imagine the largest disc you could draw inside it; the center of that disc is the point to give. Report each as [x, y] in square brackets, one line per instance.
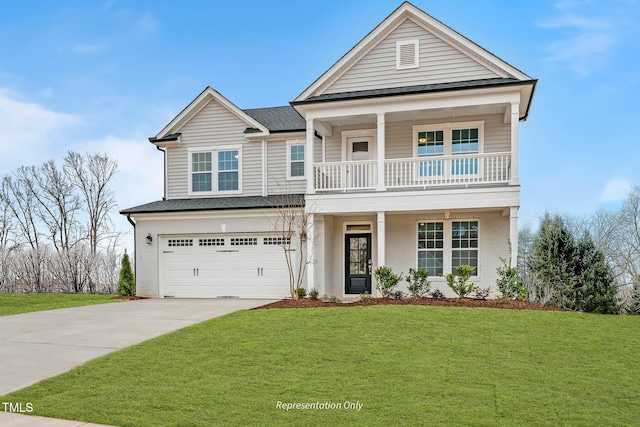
[381, 146]
[308, 152]
[515, 123]
[382, 234]
[311, 276]
[381, 239]
[513, 235]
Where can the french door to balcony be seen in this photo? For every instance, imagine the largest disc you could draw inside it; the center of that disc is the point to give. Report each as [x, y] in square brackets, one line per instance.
[358, 175]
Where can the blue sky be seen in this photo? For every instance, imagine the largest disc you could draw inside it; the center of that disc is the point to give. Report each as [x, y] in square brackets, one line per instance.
[103, 76]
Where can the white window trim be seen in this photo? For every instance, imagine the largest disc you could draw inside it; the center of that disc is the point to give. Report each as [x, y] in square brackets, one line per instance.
[214, 169]
[291, 143]
[447, 256]
[448, 128]
[416, 44]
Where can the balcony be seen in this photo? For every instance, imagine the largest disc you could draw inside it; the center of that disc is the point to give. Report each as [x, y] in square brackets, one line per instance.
[414, 173]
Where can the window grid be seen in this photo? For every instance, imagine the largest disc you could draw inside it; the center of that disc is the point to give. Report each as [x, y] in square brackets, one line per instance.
[228, 170]
[464, 244]
[180, 242]
[296, 159]
[430, 144]
[276, 241]
[211, 242]
[431, 247]
[464, 141]
[244, 241]
[201, 171]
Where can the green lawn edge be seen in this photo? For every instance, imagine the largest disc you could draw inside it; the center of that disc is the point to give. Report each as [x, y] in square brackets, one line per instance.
[27, 303]
[406, 365]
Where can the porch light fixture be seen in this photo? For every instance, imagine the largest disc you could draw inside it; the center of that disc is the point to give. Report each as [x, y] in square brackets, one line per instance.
[149, 239]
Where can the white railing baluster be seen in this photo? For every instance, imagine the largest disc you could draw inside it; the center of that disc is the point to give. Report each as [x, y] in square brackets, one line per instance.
[423, 172]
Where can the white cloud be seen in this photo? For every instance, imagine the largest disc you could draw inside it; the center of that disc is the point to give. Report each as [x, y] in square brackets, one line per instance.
[584, 37]
[616, 190]
[28, 130]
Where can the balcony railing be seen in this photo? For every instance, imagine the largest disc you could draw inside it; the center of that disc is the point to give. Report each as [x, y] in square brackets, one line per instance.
[423, 172]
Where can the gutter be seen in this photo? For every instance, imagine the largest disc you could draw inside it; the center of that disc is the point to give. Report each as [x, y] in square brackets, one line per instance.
[164, 181]
[135, 263]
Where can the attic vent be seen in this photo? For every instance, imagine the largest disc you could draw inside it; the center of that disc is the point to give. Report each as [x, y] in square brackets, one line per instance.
[407, 54]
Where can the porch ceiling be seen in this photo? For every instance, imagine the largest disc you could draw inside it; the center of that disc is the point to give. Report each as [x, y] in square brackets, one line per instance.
[370, 120]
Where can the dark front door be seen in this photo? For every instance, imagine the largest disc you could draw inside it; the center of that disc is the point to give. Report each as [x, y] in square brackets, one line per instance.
[357, 248]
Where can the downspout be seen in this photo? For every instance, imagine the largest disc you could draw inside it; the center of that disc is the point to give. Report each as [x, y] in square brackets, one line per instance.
[135, 264]
[164, 194]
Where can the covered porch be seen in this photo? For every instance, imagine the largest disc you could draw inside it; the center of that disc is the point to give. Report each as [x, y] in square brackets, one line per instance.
[345, 247]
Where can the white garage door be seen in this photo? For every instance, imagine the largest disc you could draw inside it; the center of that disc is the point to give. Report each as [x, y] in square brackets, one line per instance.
[212, 266]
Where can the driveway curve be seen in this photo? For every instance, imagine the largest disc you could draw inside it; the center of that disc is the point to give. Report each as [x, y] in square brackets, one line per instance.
[35, 346]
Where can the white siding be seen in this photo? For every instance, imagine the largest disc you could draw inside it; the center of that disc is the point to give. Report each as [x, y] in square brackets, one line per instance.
[439, 63]
[399, 136]
[213, 125]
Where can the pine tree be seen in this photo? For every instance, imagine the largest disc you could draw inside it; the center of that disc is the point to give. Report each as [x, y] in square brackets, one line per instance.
[574, 270]
[127, 283]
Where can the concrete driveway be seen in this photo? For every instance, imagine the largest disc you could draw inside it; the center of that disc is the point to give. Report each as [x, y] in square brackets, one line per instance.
[35, 346]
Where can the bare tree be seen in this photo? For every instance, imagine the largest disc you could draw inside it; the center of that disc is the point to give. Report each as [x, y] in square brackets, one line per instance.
[91, 174]
[7, 237]
[58, 205]
[292, 227]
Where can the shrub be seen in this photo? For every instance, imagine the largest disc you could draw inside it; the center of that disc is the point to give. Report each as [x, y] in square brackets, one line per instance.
[386, 280]
[437, 295]
[313, 293]
[418, 283]
[127, 283]
[509, 282]
[302, 292]
[366, 297]
[458, 281]
[482, 293]
[333, 298]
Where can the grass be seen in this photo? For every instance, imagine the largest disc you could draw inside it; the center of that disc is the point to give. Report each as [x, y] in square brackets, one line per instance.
[407, 365]
[24, 303]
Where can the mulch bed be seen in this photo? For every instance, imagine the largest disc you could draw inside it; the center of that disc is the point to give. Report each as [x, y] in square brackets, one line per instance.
[450, 302]
[129, 297]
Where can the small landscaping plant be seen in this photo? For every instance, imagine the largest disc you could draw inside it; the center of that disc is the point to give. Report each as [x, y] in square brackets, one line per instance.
[127, 283]
[419, 284]
[366, 297]
[437, 295]
[458, 281]
[509, 282]
[302, 292]
[313, 293]
[386, 280]
[482, 293]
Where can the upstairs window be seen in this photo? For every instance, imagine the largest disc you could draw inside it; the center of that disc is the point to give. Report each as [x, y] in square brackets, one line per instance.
[201, 172]
[228, 170]
[295, 160]
[407, 54]
[216, 170]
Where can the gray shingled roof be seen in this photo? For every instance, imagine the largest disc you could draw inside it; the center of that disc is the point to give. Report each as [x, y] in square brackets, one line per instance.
[217, 203]
[278, 119]
[406, 90]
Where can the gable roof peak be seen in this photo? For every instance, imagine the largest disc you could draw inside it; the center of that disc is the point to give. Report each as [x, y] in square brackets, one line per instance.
[202, 100]
[404, 12]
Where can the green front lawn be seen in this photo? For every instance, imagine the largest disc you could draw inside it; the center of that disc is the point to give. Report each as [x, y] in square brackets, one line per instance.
[24, 303]
[407, 365]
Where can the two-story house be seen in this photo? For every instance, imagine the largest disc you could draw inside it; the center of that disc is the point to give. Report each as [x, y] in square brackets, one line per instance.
[404, 154]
